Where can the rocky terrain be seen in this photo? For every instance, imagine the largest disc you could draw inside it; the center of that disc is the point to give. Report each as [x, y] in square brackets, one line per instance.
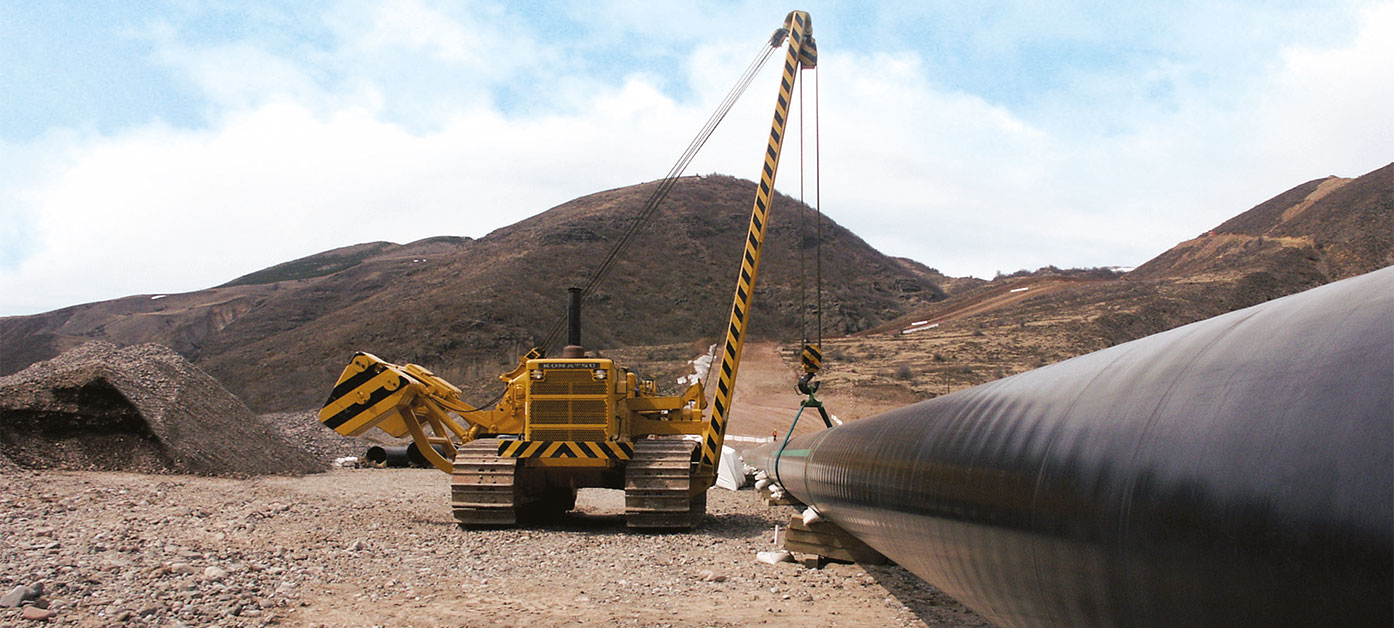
[1320, 231]
[361, 547]
[222, 526]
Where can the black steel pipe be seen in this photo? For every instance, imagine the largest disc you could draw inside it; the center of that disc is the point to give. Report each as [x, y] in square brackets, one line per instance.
[1238, 471]
[418, 459]
[388, 455]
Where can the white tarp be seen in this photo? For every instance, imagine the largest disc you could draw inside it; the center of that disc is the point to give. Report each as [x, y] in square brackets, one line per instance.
[730, 473]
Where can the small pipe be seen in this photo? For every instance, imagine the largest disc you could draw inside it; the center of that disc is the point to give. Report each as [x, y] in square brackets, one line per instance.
[417, 459]
[573, 316]
[388, 455]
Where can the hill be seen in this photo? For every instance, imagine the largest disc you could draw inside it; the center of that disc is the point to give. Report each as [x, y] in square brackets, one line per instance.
[1317, 232]
[468, 307]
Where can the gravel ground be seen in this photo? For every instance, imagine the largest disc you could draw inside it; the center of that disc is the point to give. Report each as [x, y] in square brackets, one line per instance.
[368, 547]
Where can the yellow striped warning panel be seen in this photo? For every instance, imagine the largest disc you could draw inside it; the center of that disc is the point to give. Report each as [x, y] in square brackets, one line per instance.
[367, 394]
[812, 358]
[565, 449]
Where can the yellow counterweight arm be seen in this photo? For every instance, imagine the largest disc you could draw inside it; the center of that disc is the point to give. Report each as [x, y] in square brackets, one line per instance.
[404, 401]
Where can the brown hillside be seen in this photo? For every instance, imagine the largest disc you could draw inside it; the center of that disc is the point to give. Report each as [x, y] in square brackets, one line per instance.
[1319, 231]
[1315, 233]
[278, 337]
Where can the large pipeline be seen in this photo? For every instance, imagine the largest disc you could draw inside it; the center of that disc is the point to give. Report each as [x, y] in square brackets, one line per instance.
[1238, 471]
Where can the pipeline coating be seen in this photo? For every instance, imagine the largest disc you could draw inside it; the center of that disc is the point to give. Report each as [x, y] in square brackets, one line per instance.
[1238, 471]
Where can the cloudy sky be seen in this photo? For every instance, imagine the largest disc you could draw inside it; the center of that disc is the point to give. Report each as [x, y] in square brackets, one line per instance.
[154, 147]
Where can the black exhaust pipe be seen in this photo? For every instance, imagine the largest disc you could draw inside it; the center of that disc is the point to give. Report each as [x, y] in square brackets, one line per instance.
[573, 325]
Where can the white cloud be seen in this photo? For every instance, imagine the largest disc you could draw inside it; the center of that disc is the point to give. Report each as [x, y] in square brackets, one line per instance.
[310, 150]
[1335, 106]
[163, 210]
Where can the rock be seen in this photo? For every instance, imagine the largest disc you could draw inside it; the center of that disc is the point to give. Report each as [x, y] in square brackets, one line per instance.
[33, 613]
[708, 575]
[182, 568]
[15, 597]
[775, 557]
[214, 573]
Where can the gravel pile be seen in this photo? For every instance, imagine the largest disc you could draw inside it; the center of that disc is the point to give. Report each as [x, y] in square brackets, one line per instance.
[142, 408]
[304, 430]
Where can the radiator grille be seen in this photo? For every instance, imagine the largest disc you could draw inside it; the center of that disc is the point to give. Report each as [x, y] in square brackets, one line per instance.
[559, 411]
[568, 419]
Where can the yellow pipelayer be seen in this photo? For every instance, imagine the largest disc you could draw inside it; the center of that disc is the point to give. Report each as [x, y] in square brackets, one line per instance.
[571, 422]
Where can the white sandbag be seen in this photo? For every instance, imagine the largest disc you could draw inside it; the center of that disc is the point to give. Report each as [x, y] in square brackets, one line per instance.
[729, 474]
[811, 516]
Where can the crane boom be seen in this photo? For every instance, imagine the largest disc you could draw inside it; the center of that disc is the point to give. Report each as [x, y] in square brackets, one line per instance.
[801, 53]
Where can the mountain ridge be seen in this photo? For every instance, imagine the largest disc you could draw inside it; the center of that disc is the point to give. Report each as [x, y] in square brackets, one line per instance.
[466, 307]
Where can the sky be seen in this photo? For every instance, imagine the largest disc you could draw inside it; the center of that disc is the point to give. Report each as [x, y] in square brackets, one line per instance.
[161, 147]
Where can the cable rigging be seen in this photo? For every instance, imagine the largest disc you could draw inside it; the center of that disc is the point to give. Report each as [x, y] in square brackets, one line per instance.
[665, 185]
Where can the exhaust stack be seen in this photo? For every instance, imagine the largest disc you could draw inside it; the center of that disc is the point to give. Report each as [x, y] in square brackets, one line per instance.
[573, 325]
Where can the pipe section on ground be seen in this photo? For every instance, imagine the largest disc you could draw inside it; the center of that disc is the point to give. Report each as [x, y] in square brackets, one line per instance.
[1238, 471]
[418, 459]
[388, 455]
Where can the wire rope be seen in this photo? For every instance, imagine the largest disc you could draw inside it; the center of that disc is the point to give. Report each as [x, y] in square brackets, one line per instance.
[665, 185]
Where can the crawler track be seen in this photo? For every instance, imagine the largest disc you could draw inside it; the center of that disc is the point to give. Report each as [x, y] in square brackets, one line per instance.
[483, 487]
[658, 487]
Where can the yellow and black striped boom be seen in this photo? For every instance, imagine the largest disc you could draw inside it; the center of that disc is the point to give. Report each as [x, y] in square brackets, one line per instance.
[801, 53]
